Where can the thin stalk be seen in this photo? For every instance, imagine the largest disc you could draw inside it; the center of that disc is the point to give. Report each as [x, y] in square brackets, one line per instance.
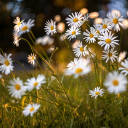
[95, 112]
[22, 67]
[28, 43]
[54, 73]
[32, 35]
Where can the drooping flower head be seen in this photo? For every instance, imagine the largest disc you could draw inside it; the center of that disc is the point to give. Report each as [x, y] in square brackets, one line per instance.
[31, 59]
[26, 26]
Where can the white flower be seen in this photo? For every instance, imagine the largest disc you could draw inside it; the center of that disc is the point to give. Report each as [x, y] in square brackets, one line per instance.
[35, 82]
[31, 59]
[115, 82]
[98, 29]
[18, 24]
[16, 39]
[6, 64]
[25, 27]
[72, 64]
[16, 89]
[72, 32]
[80, 50]
[107, 40]
[90, 36]
[96, 92]
[115, 21]
[85, 18]
[30, 109]
[50, 27]
[75, 20]
[122, 55]
[112, 55]
[125, 67]
[81, 68]
[105, 26]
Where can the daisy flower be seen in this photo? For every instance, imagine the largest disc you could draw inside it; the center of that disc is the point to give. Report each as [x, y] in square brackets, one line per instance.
[125, 67]
[35, 82]
[85, 18]
[115, 21]
[90, 36]
[80, 50]
[105, 26]
[98, 29]
[31, 59]
[18, 24]
[16, 89]
[115, 82]
[6, 64]
[16, 37]
[30, 109]
[25, 27]
[110, 55]
[50, 27]
[107, 40]
[80, 68]
[72, 32]
[122, 55]
[96, 92]
[75, 20]
[72, 64]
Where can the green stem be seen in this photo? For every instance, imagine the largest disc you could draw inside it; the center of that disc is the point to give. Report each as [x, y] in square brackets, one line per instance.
[22, 67]
[33, 35]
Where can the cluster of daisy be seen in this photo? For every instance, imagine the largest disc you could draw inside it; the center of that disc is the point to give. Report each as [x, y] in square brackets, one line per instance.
[102, 33]
[17, 87]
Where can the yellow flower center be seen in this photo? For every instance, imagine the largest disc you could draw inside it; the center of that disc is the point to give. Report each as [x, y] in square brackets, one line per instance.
[31, 109]
[115, 82]
[115, 21]
[18, 23]
[110, 54]
[81, 49]
[104, 26]
[52, 27]
[32, 57]
[6, 62]
[35, 84]
[24, 28]
[74, 32]
[97, 93]
[108, 41]
[91, 35]
[127, 68]
[75, 20]
[97, 31]
[78, 70]
[17, 87]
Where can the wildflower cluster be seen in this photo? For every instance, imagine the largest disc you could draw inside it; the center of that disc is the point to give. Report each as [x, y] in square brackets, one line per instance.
[102, 34]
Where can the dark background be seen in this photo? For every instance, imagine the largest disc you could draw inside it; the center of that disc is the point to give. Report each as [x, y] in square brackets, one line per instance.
[43, 10]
